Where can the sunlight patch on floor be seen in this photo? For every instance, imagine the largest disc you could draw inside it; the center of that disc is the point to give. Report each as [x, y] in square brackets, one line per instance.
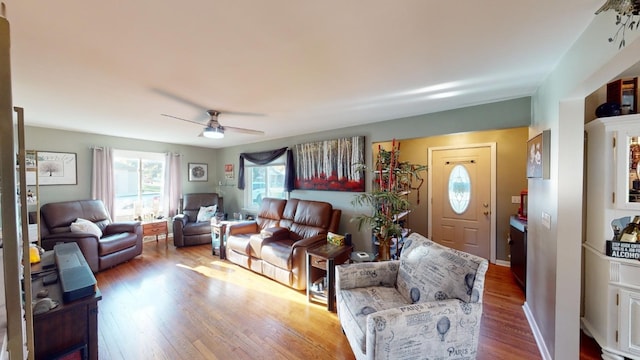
[249, 281]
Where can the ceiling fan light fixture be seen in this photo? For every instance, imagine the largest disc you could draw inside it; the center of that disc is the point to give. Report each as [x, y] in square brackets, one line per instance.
[213, 133]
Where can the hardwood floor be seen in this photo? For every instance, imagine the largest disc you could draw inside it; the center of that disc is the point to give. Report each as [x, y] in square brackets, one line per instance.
[187, 304]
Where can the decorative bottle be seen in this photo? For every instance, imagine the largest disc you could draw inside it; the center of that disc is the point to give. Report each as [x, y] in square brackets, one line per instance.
[630, 232]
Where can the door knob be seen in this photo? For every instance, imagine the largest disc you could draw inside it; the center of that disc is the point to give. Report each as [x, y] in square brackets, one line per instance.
[486, 212]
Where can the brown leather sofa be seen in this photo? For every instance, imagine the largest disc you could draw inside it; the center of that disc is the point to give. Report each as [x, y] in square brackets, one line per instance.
[186, 230]
[120, 241]
[276, 243]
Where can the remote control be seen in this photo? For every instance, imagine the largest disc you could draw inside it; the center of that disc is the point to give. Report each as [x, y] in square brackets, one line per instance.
[50, 279]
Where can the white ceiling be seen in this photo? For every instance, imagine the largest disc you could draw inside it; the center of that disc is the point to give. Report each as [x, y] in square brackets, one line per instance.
[302, 66]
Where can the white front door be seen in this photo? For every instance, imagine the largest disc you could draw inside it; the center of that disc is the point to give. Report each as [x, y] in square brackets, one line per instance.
[462, 192]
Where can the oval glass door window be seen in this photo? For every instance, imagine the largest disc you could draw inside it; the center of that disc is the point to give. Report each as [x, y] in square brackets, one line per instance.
[459, 189]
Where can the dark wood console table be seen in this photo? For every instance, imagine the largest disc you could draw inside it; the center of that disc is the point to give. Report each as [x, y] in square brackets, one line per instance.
[71, 326]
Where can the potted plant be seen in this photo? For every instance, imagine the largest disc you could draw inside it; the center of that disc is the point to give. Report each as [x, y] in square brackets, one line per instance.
[388, 198]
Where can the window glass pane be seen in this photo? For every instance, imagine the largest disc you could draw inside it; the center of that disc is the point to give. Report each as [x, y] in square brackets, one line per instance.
[266, 181]
[459, 189]
[139, 185]
[152, 186]
[126, 187]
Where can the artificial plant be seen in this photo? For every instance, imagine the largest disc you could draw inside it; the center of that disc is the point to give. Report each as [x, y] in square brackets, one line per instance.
[388, 198]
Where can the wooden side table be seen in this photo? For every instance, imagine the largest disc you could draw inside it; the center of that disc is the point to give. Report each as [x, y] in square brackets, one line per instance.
[218, 231]
[321, 272]
[156, 227]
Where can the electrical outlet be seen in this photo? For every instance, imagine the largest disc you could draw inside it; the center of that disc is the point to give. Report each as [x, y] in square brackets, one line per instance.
[515, 199]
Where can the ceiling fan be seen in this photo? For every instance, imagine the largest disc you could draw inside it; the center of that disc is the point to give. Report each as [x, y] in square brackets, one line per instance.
[213, 129]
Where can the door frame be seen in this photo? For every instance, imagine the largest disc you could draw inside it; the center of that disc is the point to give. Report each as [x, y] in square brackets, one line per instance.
[492, 147]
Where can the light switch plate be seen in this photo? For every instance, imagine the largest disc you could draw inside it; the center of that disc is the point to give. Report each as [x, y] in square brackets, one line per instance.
[546, 220]
[515, 199]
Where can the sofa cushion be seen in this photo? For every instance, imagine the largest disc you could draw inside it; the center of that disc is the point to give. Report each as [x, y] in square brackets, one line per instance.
[85, 226]
[361, 302]
[113, 243]
[57, 217]
[196, 228]
[278, 253]
[239, 243]
[270, 212]
[429, 271]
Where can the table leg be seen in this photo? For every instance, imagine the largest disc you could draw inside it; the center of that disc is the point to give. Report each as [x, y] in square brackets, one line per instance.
[223, 238]
[309, 279]
[331, 292]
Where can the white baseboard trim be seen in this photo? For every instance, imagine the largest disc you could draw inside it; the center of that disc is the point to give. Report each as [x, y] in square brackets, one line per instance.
[542, 347]
[503, 263]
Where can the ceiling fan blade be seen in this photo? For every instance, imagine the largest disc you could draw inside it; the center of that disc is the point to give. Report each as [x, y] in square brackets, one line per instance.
[239, 113]
[244, 131]
[179, 98]
[179, 118]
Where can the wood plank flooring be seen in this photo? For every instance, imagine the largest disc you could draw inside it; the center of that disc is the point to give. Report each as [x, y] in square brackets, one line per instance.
[187, 304]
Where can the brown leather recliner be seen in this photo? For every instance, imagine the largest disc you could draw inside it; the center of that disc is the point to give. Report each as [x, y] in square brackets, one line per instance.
[279, 252]
[186, 229]
[120, 241]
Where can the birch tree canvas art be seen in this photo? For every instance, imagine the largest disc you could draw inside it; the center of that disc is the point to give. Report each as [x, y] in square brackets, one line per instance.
[330, 165]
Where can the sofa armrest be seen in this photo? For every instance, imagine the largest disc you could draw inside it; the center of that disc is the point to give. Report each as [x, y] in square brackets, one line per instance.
[245, 227]
[60, 237]
[310, 241]
[122, 227]
[182, 218]
[88, 244]
[442, 329]
[275, 233]
[357, 275]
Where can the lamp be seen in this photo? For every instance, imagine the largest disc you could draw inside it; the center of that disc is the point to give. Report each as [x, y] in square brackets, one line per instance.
[213, 132]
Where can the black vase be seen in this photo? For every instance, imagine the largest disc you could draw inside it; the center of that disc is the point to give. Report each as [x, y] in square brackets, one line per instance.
[608, 109]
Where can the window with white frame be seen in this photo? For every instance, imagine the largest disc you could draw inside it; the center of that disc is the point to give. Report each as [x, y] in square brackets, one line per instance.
[263, 181]
[139, 185]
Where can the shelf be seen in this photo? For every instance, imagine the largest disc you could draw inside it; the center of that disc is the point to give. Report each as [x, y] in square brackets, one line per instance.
[401, 215]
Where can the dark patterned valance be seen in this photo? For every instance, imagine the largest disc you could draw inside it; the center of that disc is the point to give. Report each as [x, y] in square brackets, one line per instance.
[266, 157]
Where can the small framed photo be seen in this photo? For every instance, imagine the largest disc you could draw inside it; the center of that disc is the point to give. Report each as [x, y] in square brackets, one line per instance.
[228, 171]
[538, 156]
[198, 172]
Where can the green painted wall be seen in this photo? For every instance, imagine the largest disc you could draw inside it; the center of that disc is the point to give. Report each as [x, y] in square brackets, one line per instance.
[500, 115]
[43, 139]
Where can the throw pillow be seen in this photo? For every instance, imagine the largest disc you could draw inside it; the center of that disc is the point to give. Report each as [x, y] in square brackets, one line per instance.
[85, 226]
[206, 213]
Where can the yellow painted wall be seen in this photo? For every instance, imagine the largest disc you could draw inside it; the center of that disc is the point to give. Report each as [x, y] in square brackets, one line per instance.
[511, 175]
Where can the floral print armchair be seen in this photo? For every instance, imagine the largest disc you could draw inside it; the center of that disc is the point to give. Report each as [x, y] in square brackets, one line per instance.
[426, 305]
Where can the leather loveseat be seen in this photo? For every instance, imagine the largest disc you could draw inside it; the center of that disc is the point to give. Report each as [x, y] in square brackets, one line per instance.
[119, 241]
[187, 230]
[276, 243]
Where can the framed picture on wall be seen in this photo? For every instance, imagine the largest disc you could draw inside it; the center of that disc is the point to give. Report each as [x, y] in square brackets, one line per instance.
[57, 168]
[198, 172]
[329, 165]
[538, 156]
[228, 171]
